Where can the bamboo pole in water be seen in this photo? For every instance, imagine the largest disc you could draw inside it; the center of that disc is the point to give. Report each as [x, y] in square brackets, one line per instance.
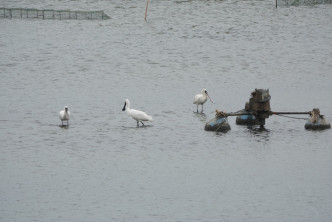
[146, 9]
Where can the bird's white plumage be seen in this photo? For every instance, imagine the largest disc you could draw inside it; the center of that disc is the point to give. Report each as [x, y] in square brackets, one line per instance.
[64, 115]
[201, 98]
[137, 115]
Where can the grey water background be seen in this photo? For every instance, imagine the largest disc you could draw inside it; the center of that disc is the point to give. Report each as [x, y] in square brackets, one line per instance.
[103, 168]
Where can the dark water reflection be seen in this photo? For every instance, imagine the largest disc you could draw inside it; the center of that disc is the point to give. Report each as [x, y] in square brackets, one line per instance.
[259, 132]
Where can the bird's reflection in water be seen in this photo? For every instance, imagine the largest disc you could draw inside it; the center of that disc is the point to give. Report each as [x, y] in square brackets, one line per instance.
[201, 116]
[64, 126]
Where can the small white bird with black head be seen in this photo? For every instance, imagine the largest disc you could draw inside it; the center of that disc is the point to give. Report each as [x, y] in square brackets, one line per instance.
[64, 115]
[137, 115]
[201, 98]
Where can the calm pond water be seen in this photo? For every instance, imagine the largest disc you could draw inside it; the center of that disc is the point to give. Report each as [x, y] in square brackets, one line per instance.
[103, 168]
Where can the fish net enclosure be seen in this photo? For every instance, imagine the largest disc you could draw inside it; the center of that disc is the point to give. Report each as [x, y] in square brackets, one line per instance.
[51, 14]
[302, 2]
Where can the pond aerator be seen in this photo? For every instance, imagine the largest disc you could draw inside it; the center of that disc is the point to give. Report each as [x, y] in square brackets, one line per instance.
[257, 110]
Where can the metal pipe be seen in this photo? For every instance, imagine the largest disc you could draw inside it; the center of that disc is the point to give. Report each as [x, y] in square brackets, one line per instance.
[239, 114]
[270, 113]
[289, 113]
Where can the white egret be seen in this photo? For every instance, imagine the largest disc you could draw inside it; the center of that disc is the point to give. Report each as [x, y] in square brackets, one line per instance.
[201, 98]
[64, 115]
[137, 115]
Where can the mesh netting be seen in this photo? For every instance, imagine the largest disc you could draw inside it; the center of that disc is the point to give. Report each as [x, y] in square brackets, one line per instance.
[51, 14]
[302, 2]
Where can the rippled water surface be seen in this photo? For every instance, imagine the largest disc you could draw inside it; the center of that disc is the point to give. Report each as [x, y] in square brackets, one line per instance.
[103, 168]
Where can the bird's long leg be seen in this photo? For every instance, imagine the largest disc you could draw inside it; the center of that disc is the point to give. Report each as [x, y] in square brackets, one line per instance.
[142, 123]
[137, 124]
[202, 109]
[61, 122]
[197, 108]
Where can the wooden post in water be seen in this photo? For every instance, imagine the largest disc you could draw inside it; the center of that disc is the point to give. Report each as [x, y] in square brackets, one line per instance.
[146, 10]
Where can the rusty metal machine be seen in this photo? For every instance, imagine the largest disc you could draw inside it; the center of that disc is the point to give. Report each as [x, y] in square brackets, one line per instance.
[259, 105]
[258, 109]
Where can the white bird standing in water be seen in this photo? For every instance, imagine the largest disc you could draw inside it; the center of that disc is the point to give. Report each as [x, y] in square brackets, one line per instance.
[200, 99]
[64, 115]
[137, 115]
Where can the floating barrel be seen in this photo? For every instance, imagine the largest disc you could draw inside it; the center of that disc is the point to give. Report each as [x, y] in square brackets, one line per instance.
[218, 124]
[317, 121]
[321, 124]
[248, 120]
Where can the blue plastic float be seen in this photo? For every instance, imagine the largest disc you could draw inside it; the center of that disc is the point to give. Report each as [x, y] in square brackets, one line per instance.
[218, 124]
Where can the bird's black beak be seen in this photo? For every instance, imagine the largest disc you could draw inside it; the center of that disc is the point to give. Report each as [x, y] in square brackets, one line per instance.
[124, 107]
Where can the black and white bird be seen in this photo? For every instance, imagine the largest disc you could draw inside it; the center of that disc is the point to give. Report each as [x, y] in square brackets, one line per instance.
[64, 116]
[201, 98]
[137, 115]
